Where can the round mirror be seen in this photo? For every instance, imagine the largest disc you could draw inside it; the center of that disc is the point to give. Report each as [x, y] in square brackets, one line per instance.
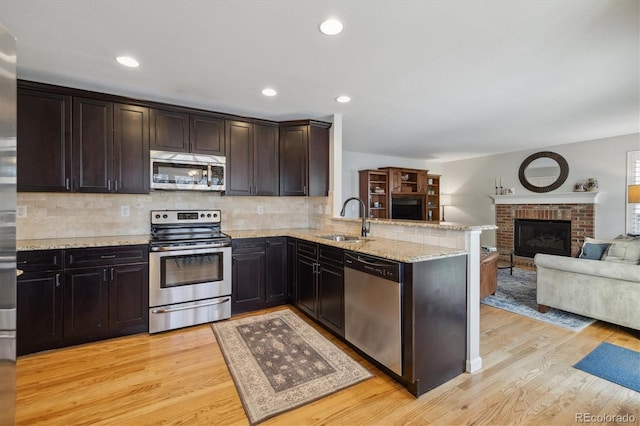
[543, 171]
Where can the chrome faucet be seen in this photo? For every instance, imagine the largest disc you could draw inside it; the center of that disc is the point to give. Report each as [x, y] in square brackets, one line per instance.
[365, 228]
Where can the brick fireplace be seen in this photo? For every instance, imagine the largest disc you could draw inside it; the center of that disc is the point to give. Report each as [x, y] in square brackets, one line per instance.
[580, 214]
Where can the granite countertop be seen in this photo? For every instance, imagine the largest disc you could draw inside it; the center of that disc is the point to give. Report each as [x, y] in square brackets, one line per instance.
[452, 226]
[401, 251]
[81, 242]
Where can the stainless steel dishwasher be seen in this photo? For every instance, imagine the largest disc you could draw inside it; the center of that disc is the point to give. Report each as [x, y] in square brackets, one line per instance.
[373, 312]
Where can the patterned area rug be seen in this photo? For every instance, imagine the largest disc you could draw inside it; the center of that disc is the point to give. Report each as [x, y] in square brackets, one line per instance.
[279, 362]
[517, 293]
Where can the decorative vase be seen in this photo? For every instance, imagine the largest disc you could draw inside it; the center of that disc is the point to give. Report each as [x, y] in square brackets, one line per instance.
[592, 184]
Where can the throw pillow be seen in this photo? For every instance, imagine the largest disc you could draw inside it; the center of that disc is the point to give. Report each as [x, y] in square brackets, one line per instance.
[624, 252]
[593, 251]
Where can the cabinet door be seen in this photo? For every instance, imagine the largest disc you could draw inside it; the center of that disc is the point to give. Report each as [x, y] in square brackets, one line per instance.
[92, 145]
[395, 176]
[129, 298]
[422, 182]
[293, 160]
[206, 134]
[44, 141]
[276, 288]
[266, 169]
[248, 281]
[331, 297]
[39, 313]
[239, 136]
[86, 313]
[131, 149]
[169, 130]
[292, 260]
[318, 173]
[306, 293]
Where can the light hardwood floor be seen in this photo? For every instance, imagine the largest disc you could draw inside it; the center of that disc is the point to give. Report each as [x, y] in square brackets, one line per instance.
[180, 377]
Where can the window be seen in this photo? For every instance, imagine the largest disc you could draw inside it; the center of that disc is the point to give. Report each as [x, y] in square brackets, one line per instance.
[633, 192]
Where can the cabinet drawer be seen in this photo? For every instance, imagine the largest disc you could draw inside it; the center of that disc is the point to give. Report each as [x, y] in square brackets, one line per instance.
[40, 260]
[79, 258]
[307, 249]
[331, 255]
[248, 245]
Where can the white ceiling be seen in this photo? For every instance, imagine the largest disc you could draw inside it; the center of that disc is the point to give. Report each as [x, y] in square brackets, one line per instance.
[437, 80]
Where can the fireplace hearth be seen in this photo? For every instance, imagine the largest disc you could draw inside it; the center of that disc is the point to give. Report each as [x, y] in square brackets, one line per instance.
[532, 236]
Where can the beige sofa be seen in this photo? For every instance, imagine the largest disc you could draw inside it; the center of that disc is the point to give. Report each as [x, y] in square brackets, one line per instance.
[604, 290]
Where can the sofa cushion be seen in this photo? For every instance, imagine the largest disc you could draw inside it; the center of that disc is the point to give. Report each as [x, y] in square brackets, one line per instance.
[593, 251]
[624, 252]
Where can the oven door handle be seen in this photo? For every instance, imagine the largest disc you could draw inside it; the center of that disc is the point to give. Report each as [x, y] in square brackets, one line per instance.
[192, 247]
[182, 308]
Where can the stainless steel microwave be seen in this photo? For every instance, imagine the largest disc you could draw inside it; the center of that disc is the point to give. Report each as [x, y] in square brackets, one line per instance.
[184, 171]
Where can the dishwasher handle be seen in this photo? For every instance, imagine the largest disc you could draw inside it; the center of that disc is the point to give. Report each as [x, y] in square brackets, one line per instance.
[382, 268]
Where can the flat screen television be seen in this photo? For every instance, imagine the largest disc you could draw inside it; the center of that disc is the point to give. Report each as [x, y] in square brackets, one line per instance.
[407, 208]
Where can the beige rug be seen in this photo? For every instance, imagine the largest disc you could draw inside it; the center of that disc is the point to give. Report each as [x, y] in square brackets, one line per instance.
[279, 362]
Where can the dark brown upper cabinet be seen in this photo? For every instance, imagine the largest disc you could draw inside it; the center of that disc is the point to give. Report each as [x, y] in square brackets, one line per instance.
[72, 140]
[131, 149]
[68, 142]
[252, 159]
[44, 141]
[110, 147]
[304, 158]
[92, 145]
[206, 134]
[266, 154]
[169, 130]
[178, 131]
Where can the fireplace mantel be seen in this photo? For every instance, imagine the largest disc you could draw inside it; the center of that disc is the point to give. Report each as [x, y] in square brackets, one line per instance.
[586, 197]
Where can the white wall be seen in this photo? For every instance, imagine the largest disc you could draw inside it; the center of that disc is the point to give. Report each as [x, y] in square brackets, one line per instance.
[471, 182]
[354, 161]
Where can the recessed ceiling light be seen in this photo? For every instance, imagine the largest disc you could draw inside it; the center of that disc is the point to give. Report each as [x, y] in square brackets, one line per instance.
[269, 91]
[343, 99]
[128, 61]
[331, 27]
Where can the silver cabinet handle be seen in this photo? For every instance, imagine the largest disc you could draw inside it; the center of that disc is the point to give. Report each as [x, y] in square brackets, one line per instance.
[109, 185]
[67, 184]
[57, 280]
[111, 256]
[182, 308]
[111, 274]
[115, 186]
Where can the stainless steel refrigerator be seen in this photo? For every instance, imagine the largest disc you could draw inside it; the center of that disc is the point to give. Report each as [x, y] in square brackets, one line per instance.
[7, 227]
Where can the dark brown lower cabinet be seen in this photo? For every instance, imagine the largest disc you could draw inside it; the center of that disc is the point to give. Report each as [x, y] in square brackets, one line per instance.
[292, 278]
[39, 315]
[320, 284]
[129, 298]
[259, 273]
[60, 306]
[86, 314]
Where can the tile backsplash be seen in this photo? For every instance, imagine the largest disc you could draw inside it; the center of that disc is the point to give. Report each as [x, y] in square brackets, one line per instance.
[55, 215]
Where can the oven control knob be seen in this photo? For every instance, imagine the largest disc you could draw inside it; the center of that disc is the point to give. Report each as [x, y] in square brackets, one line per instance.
[164, 216]
[215, 215]
[157, 216]
[201, 214]
[209, 215]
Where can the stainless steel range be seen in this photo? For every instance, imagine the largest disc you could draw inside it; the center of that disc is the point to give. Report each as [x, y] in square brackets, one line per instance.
[189, 269]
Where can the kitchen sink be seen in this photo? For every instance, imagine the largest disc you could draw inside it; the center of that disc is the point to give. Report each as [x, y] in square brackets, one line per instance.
[341, 238]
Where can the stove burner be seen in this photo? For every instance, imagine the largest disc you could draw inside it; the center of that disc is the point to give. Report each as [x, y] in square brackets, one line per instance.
[187, 228]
